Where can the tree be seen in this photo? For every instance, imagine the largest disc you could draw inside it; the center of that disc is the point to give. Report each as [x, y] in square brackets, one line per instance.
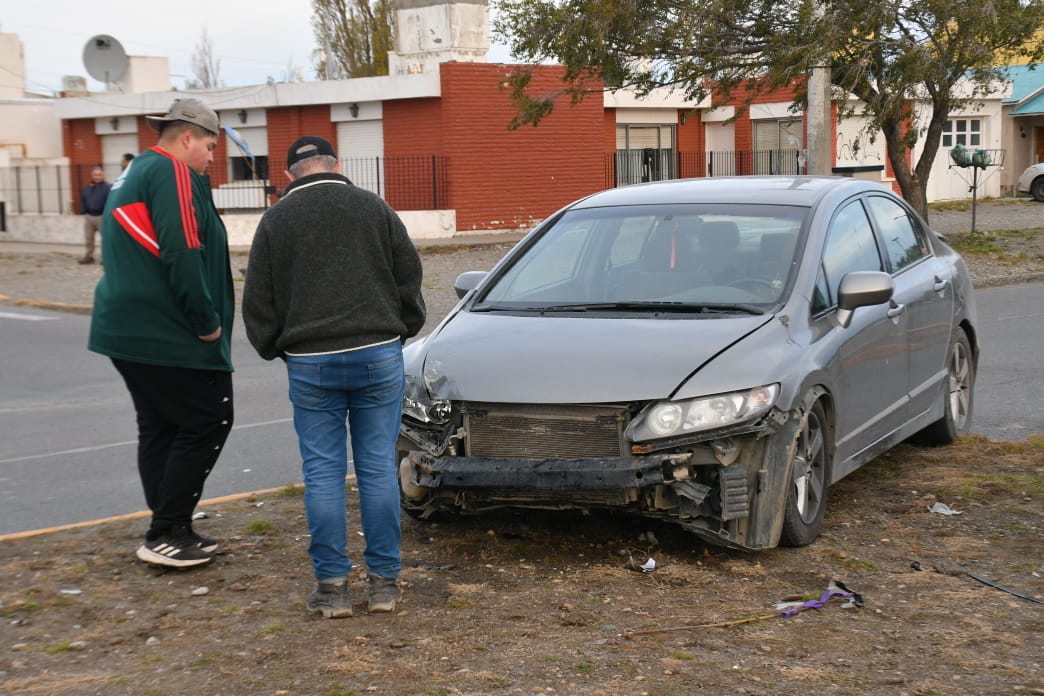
[205, 65]
[910, 62]
[356, 36]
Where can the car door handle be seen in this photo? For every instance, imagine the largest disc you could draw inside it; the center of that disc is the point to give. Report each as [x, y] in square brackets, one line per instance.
[940, 284]
[895, 310]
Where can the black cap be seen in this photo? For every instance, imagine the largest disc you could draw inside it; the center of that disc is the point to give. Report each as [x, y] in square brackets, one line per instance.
[308, 146]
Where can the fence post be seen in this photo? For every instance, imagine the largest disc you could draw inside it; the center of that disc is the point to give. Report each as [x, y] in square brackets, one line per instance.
[434, 183]
[377, 173]
[58, 181]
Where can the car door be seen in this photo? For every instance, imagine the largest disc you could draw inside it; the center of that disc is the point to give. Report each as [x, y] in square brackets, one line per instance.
[923, 289]
[870, 364]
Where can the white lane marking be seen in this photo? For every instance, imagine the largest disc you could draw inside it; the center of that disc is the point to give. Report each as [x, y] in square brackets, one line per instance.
[26, 317]
[98, 448]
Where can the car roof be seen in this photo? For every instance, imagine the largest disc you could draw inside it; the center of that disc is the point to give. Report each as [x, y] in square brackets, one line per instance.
[769, 190]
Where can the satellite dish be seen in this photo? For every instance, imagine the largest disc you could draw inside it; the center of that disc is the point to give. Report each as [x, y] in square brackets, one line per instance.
[105, 59]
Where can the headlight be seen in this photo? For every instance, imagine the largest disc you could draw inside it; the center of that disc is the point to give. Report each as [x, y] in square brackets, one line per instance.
[416, 405]
[671, 418]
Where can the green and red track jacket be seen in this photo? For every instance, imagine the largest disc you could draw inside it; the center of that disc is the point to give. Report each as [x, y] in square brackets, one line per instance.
[167, 278]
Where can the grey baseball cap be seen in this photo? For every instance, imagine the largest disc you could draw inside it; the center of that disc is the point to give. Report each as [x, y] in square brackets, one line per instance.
[190, 110]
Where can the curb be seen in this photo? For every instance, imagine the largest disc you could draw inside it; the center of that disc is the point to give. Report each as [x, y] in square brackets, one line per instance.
[1001, 281]
[53, 306]
[145, 513]
[68, 308]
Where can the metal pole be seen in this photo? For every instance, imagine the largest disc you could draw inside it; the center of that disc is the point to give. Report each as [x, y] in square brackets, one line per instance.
[434, 184]
[975, 191]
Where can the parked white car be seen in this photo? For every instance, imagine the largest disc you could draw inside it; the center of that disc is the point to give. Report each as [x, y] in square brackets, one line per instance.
[1032, 181]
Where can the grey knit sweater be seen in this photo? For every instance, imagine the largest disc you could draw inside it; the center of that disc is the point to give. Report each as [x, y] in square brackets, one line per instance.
[331, 268]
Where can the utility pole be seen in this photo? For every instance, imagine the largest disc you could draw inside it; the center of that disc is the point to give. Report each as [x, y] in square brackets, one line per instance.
[820, 133]
[820, 136]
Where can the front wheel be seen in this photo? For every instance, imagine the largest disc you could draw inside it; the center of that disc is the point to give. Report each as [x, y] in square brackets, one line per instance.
[958, 396]
[809, 481]
[1037, 189]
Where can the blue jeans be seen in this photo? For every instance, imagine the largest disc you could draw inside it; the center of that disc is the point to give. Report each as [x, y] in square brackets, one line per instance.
[365, 387]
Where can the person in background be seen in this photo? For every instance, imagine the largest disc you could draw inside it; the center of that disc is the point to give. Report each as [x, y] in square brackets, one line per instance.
[333, 287]
[92, 205]
[163, 313]
[126, 160]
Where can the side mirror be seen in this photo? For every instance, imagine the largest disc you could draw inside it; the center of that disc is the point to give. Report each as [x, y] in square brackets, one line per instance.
[466, 282]
[862, 289]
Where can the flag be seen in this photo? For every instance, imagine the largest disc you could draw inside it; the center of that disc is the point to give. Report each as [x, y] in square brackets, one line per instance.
[235, 137]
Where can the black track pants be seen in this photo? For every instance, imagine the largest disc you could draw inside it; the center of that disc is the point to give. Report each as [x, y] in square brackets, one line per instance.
[184, 417]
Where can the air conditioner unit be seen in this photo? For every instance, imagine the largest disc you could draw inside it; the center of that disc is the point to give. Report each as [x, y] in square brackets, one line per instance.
[74, 83]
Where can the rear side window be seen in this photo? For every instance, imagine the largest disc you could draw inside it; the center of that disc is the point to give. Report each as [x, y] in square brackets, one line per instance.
[903, 239]
[850, 246]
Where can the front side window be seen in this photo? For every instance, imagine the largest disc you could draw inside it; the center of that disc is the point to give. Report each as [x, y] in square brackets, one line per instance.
[903, 239]
[850, 246]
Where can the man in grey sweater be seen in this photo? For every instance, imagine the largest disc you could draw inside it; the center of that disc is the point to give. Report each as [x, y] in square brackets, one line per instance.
[333, 287]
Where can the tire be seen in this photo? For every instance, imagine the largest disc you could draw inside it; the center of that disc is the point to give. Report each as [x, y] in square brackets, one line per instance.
[958, 396]
[809, 481]
[1037, 189]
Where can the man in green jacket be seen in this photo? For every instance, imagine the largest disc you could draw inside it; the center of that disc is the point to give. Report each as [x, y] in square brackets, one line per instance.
[163, 313]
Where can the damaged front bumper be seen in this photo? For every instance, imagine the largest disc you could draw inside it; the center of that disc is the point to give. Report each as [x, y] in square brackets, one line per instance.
[710, 488]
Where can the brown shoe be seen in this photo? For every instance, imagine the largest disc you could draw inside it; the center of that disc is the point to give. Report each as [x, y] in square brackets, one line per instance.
[86, 260]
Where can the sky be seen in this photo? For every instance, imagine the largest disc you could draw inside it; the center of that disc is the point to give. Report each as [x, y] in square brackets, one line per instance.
[254, 39]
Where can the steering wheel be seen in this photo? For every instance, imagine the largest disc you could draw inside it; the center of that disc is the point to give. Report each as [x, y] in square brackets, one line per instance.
[757, 286]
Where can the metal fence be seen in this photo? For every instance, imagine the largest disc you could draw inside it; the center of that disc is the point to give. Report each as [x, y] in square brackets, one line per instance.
[410, 182]
[36, 188]
[637, 166]
[413, 182]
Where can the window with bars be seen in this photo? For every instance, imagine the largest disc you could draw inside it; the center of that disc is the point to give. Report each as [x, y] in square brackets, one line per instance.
[644, 153]
[778, 146]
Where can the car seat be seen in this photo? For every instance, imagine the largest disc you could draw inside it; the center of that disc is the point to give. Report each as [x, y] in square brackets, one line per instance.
[719, 244]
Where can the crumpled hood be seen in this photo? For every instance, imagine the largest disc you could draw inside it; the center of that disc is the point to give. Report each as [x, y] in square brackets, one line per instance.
[559, 359]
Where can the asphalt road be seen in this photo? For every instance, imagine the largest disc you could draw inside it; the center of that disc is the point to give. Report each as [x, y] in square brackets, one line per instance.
[67, 433]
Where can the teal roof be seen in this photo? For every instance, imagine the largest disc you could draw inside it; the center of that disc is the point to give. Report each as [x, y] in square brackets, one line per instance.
[1032, 107]
[1027, 89]
[1025, 81]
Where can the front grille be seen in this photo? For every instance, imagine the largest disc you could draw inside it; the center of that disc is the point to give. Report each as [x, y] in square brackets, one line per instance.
[526, 431]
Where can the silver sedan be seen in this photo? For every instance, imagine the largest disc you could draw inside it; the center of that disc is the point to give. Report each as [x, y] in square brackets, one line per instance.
[711, 352]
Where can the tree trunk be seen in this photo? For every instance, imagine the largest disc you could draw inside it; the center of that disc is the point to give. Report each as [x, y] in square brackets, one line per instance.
[910, 185]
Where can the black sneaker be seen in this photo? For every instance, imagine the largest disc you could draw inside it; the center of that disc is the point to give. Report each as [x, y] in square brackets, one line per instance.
[206, 543]
[173, 551]
[331, 599]
[382, 593]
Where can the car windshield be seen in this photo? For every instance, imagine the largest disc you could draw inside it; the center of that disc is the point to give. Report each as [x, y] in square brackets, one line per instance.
[676, 258]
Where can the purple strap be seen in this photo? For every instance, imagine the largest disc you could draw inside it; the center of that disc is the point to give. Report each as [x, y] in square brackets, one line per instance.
[836, 588]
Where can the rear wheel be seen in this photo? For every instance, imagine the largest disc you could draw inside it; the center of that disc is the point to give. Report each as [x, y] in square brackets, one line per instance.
[958, 397]
[809, 481]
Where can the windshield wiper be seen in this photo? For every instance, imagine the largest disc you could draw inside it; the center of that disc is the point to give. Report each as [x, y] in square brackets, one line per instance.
[629, 306]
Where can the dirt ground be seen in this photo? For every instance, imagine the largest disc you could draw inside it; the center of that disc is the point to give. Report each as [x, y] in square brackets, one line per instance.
[556, 603]
[553, 603]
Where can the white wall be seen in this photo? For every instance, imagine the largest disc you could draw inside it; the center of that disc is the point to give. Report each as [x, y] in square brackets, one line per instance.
[12, 67]
[68, 229]
[33, 124]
